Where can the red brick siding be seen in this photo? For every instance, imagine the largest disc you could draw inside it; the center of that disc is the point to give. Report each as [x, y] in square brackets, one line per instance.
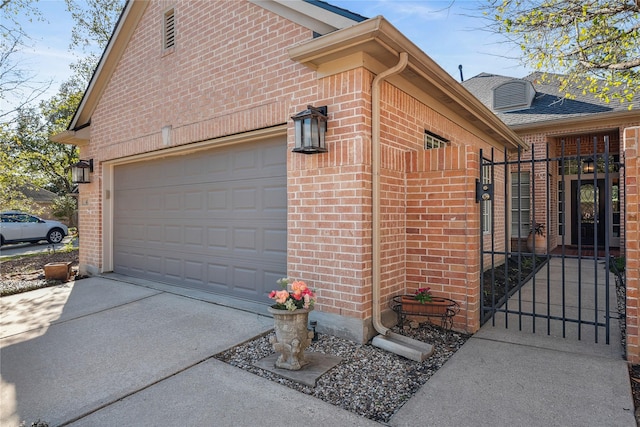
[632, 245]
[225, 76]
[329, 197]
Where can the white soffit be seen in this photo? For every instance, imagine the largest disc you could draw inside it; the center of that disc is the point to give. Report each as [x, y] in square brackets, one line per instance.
[315, 18]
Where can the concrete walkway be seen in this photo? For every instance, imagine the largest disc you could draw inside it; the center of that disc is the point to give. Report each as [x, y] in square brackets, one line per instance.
[102, 352]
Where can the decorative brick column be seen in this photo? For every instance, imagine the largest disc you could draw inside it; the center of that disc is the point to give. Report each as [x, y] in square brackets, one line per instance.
[631, 143]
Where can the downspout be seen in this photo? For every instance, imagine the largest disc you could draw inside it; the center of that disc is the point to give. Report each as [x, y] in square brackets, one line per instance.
[375, 171]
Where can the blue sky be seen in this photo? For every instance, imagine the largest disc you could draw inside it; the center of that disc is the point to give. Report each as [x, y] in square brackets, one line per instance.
[444, 30]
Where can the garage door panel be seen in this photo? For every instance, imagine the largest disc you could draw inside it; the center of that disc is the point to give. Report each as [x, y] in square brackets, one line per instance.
[218, 224]
[244, 199]
[194, 236]
[218, 238]
[193, 201]
[194, 271]
[245, 278]
[275, 243]
[274, 199]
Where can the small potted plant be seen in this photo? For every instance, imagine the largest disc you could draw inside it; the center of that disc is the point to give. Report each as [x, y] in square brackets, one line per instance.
[423, 295]
[422, 302]
[291, 315]
[537, 240]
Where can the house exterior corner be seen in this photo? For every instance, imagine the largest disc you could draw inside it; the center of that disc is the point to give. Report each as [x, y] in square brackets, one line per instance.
[196, 184]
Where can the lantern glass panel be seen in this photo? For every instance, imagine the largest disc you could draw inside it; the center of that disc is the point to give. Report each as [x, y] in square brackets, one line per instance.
[80, 174]
[306, 133]
[323, 130]
[298, 124]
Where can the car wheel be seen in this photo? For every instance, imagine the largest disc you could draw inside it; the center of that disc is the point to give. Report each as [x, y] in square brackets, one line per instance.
[1, 240]
[55, 235]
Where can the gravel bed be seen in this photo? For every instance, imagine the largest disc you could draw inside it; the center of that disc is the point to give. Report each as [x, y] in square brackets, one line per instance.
[17, 286]
[369, 381]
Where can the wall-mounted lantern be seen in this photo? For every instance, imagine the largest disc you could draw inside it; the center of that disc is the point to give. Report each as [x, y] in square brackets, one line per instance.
[311, 127]
[588, 165]
[80, 172]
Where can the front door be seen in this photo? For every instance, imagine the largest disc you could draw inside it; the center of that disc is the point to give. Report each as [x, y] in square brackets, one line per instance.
[588, 212]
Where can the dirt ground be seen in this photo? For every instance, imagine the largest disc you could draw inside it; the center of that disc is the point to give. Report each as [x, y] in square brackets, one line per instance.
[26, 273]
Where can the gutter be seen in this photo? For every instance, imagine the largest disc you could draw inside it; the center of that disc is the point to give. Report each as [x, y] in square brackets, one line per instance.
[375, 171]
[387, 340]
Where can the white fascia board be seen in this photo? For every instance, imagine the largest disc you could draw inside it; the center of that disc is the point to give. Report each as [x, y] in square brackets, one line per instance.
[309, 16]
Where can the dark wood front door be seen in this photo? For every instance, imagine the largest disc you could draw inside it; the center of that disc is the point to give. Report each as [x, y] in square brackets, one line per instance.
[588, 212]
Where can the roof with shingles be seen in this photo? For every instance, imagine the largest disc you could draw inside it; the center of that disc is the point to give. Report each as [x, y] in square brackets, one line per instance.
[547, 105]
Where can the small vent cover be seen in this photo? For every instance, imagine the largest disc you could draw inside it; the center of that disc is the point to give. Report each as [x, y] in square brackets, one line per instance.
[513, 95]
[169, 29]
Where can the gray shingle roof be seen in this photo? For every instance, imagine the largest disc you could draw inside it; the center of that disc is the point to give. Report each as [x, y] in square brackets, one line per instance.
[548, 103]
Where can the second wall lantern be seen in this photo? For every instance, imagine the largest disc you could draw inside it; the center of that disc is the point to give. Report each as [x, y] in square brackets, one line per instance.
[80, 172]
[311, 127]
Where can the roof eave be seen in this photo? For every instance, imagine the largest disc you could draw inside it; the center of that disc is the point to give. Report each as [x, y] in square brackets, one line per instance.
[383, 42]
[78, 137]
[599, 119]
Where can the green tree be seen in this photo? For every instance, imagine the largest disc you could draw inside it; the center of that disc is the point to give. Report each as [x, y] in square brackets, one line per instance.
[593, 44]
[64, 208]
[27, 157]
[18, 85]
[95, 21]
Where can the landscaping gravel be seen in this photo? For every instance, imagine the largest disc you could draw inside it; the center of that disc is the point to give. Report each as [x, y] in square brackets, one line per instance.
[369, 381]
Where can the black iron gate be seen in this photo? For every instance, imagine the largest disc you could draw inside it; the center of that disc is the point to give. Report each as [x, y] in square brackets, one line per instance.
[547, 223]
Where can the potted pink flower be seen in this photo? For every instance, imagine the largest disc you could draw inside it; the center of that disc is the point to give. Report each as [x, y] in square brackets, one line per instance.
[291, 314]
[300, 296]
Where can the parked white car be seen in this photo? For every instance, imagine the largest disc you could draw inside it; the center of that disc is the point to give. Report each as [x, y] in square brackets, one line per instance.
[17, 227]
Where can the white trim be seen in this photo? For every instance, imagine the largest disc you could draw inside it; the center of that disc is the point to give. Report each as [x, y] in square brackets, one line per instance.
[315, 18]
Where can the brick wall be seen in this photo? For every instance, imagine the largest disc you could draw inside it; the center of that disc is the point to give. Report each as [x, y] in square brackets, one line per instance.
[631, 146]
[329, 199]
[439, 230]
[223, 77]
[430, 221]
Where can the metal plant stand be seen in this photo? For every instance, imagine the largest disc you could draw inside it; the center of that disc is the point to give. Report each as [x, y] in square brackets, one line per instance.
[441, 308]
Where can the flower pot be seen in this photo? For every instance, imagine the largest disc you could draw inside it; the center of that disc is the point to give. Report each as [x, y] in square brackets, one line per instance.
[540, 243]
[436, 307]
[57, 271]
[292, 337]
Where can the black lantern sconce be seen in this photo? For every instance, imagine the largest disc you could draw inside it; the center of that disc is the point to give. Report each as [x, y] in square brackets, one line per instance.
[311, 127]
[80, 172]
[588, 165]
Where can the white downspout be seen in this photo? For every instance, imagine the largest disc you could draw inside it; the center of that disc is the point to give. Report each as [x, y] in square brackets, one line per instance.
[375, 171]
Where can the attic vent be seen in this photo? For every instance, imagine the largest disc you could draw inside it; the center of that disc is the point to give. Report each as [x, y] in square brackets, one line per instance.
[513, 95]
[169, 30]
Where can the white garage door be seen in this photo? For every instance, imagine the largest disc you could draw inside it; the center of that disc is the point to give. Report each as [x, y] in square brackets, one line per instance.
[212, 220]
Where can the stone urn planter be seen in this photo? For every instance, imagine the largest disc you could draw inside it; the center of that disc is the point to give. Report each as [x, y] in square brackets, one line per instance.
[292, 337]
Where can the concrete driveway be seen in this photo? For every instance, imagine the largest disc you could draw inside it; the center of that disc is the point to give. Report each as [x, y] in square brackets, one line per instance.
[105, 352]
[101, 352]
